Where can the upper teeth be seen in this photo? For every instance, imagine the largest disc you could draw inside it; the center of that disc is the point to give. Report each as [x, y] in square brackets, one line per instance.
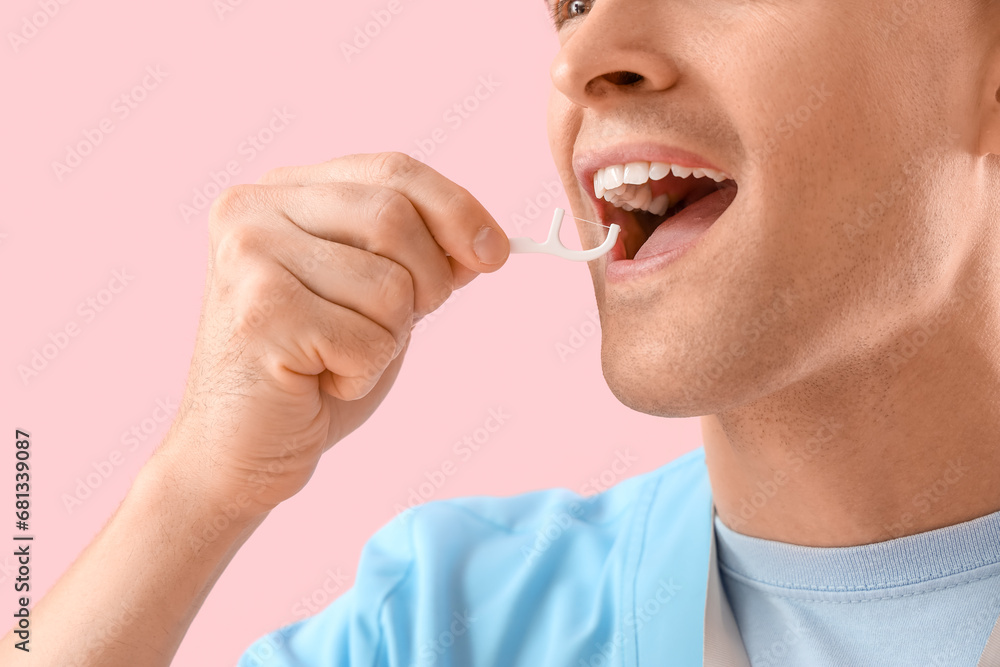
[627, 185]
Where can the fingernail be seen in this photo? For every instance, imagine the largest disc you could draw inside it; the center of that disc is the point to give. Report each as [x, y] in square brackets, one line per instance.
[489, 246]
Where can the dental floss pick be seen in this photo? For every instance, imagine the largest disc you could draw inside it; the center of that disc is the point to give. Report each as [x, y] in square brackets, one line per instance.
[553, 246]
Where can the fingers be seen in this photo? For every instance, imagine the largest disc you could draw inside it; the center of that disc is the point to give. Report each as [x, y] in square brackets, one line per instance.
[377, 221]
[454, 217]
[333, 235]
[297, 333]
[330, 265]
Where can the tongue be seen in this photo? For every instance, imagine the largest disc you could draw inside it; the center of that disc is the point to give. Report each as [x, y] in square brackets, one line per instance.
[684, 227]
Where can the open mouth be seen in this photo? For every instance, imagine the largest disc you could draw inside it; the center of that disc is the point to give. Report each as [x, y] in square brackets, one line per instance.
[660, 206]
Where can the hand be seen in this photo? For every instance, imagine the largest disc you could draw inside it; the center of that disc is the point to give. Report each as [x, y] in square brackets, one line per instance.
[316, 276]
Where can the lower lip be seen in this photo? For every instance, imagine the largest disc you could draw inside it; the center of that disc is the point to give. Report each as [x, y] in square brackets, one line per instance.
[668, 242]
[621, 270]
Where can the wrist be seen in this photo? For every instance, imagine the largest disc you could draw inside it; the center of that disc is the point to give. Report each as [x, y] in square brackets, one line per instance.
[255, 472]
[174, 481]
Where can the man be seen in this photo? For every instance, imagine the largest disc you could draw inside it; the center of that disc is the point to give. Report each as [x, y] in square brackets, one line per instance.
[822, 285]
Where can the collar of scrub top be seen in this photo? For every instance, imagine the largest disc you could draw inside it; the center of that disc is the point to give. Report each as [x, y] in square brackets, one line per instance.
[724, 646]
[553, 246]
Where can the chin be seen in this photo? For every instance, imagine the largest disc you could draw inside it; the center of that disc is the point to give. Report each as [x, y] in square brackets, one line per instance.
[646, 382]
[683, 381]
[636, 398]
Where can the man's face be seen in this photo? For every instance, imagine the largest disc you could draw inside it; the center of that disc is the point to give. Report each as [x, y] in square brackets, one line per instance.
[848, 128]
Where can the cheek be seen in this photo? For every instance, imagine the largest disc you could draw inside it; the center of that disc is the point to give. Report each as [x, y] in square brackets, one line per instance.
[561, 127]
[563, 123]
[810, 90]
[819, 117]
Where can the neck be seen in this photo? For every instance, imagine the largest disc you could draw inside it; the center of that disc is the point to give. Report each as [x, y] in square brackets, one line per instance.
[901, 442]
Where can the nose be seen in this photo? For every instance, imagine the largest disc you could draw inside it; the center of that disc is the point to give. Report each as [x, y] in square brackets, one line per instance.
[620, 48]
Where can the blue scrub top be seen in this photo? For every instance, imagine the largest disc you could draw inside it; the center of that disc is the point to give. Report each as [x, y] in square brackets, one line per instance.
[542, 578]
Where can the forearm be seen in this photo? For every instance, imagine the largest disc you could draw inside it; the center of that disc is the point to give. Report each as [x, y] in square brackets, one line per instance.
[131, 595]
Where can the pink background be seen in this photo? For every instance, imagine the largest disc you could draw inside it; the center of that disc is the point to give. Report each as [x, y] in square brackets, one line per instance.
[493, 346]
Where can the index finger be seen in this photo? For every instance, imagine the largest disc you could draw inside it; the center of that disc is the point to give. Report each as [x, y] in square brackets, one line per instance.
[456, 219]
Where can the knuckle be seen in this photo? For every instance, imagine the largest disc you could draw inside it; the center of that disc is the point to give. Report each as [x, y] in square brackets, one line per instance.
[388, 166]
[366, 347]
[257, 287]
[461, 205]
[395, 291]
[260, 295]
[392, 210]
[238, 243]
[263, 289]
[233, 201]
[380, 347]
